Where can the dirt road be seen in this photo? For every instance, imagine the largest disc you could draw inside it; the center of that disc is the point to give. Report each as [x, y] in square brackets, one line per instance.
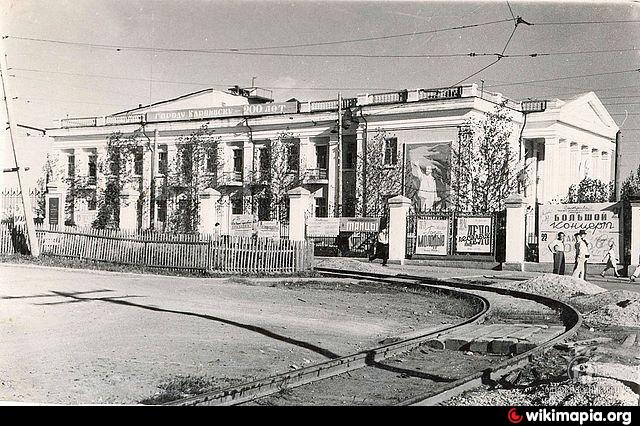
[98, 337]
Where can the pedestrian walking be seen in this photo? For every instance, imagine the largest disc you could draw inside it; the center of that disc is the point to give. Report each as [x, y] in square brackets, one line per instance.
[557, 248]
[382, 243]
[636, 273]
[611, 260]
[582, 255]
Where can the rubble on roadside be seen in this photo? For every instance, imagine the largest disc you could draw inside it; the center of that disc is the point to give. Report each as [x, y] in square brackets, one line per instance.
[625, 313]
[590, 302]
[560, 287]
[599, 391]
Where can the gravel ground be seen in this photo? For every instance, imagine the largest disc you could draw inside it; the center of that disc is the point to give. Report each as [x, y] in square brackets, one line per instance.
[598, 392]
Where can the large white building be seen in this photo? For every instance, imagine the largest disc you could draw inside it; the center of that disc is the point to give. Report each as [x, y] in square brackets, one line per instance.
[561, 143]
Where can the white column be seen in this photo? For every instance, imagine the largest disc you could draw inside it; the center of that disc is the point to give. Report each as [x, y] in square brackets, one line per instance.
[360, 195]
[332, 196]
[247, 170]
[398, 210]
[516, 210]
[551, 172]
[585, 158]
[564, 169]
[595, 164]
[55, 199]
[298, 208]
[635, 232]
[305, 146]
[147, 158]
[574, 165]
[605, 174]
[208, 210]
[128, 209]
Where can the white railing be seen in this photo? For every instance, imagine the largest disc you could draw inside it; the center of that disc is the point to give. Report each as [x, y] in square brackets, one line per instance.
[124, 119]
[78, 122]
[437, 94]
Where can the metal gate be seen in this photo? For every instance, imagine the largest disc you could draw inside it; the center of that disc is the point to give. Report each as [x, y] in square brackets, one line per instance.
[532, 245]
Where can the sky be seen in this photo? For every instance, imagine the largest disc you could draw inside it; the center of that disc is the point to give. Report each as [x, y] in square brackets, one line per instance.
[134, 58]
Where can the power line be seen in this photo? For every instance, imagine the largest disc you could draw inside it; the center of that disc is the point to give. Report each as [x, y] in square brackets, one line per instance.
[631, 21]
[331, 55]
[566, 78]
[197, 83]
[237, 50]
[517, 21]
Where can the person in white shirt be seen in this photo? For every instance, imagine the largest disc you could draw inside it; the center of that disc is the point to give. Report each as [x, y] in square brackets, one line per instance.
[557, 248]
[582, 255]
[611, 259]
[382, 243]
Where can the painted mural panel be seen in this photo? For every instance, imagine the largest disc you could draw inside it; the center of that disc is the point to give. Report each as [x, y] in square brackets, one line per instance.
[426, 174]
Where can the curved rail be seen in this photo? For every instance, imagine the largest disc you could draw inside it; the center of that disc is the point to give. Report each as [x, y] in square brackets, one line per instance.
[273, 384]
[571, 319]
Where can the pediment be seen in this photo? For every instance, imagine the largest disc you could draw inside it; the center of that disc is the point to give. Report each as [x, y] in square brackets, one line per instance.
[587, 111]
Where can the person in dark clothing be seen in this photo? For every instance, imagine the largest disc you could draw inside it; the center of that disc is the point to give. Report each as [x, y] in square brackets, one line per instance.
[382, 244]
[557, 248]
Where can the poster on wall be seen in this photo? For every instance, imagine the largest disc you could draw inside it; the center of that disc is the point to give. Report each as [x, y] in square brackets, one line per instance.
[323, 226]
[474, 234]
[425, 174]
[432, 236]
[269, 229]
[601, 222]
[241, 225]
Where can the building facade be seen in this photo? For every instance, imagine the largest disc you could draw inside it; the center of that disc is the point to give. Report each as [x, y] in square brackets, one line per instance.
[325, 147]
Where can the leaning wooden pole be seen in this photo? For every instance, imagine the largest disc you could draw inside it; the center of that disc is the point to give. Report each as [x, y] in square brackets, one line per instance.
[26, 201]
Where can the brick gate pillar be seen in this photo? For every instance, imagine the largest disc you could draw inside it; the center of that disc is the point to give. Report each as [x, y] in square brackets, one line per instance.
[398, 211]
[516, 211]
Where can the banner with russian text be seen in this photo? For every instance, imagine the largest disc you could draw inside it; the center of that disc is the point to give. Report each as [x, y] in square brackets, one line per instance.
[601, 222]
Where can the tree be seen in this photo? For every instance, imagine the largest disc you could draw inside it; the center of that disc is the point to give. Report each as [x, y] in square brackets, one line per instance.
[590, 191]
[277, 174]
[484, 168]
[118, 168]
[381, 179]
[197, 166]
[49, 174]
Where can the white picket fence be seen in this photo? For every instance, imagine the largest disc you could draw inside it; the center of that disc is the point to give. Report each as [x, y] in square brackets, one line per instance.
[202, 252]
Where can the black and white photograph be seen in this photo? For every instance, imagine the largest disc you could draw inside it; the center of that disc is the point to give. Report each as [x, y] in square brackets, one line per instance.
[322, 203]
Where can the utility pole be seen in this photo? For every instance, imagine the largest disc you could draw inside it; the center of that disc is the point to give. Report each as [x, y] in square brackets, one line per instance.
[339, 162]
[26, 201]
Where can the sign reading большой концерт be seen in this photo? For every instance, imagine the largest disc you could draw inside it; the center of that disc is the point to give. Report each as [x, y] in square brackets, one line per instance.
[224, 111]
[601, 221]
[473, 235]
[432, 236]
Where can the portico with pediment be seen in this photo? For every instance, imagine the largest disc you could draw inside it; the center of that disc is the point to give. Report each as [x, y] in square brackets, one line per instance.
[567, 142]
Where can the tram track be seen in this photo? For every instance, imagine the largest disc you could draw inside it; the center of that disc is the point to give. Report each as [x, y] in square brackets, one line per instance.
[373, 357]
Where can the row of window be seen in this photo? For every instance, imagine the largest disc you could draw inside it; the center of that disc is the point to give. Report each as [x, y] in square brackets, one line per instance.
[293, 159]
